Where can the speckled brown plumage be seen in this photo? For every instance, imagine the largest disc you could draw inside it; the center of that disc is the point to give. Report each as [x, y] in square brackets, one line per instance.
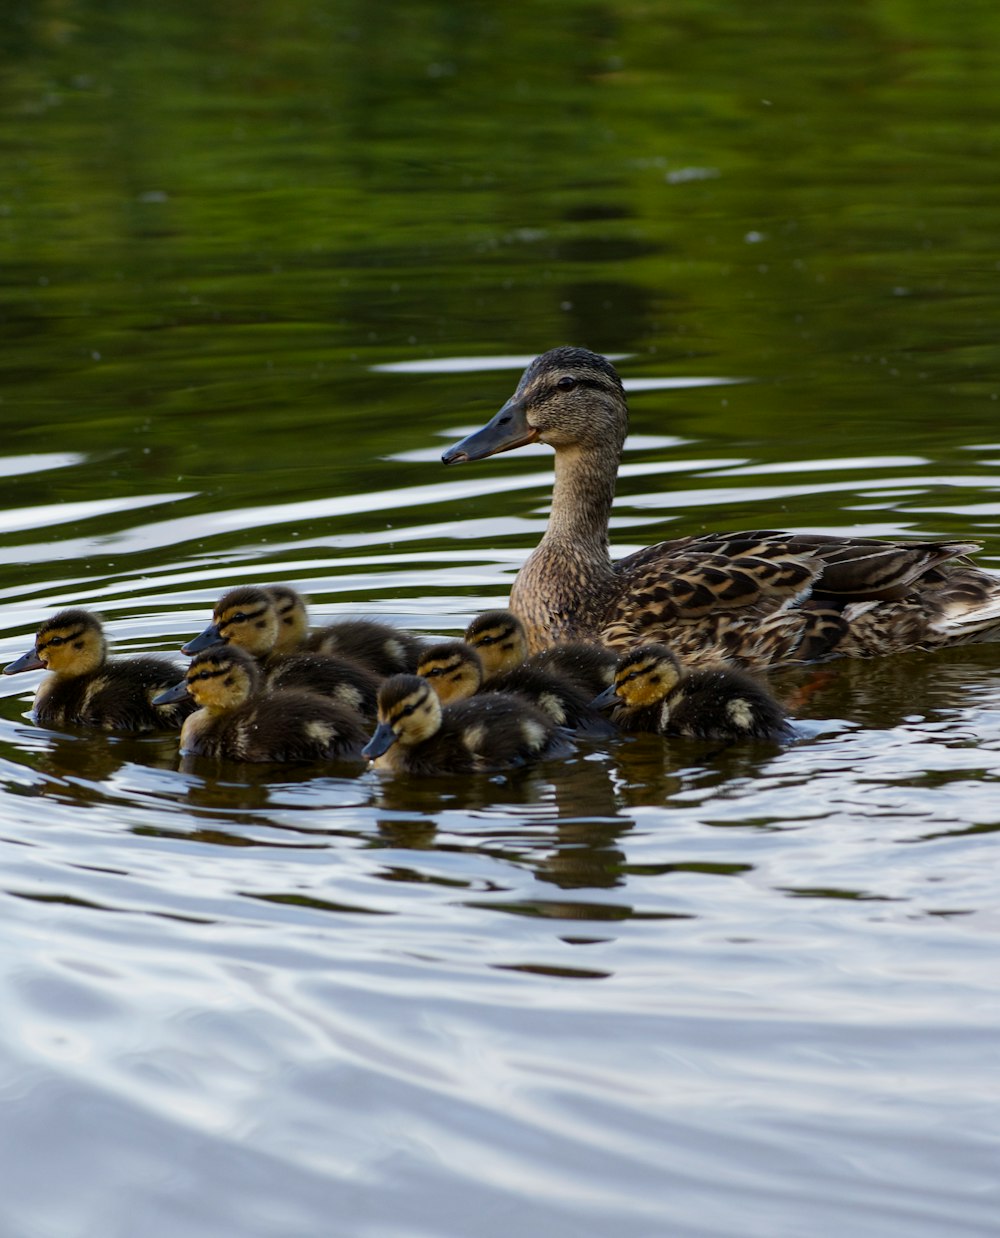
[755, 599]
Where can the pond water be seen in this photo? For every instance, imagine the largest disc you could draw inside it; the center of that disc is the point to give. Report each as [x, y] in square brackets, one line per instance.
[261, 264]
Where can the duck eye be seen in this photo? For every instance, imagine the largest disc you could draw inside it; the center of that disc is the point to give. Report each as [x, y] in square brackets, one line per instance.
[56, 640]
[435, 670]
[239, 618]
[566, 383]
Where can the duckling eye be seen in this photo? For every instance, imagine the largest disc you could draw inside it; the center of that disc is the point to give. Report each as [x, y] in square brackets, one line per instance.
[240, 618]
[435, 670]
[57, 640]
[566, 383]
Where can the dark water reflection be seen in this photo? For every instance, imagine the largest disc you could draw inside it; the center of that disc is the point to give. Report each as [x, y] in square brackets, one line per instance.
[260, 265]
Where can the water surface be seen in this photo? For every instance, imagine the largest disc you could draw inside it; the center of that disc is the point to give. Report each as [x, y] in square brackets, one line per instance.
[261, 265]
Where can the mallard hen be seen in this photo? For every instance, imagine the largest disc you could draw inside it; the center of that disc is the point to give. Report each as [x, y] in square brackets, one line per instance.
[417, 735]
[652, 692]
[85, 687]
[756, 599]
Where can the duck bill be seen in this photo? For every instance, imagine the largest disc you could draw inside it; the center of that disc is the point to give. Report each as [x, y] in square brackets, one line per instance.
[29, 661]
[204, 640]
[607, 698]
[380, 742]
[178, 692]
[507, 430]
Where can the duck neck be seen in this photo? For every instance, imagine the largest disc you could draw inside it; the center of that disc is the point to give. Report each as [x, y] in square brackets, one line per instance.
[566, 585]
[581, 503]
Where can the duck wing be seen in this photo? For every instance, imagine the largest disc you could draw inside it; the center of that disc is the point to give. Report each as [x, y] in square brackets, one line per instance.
[767, 598]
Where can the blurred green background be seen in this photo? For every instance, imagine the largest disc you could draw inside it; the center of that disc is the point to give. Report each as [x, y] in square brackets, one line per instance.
[216, 217]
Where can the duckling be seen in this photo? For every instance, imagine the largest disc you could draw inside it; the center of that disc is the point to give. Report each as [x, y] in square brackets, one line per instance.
[417, 735]
[501, 641]
[235, 721]
[753, 599]
[250, 617]
[651, 692]
[86, 688]
[455, 671]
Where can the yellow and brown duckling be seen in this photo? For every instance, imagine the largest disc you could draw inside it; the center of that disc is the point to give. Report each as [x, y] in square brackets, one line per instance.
[236, 721]
[417, 735]
[85, 687]
[252, 618]
[753, 599]
[455, 671]
[652, 692]
[500, 639]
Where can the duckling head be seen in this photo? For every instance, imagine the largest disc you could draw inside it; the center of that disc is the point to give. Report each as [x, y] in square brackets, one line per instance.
[246, 617]
[453, 669]
[409, 712]
[293, 618]
[644, 676]
[220, 678]
[71, 643]
[499, 638]
[567, 397]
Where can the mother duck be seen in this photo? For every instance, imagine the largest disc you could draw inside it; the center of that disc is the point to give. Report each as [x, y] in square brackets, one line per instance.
[756, 599]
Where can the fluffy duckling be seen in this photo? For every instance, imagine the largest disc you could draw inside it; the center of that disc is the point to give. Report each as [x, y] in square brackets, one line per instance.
[455, 671]
[235, 721]
[652, 693]
[500, 639]
[86, 688]
[254, 618]
[417, 735]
